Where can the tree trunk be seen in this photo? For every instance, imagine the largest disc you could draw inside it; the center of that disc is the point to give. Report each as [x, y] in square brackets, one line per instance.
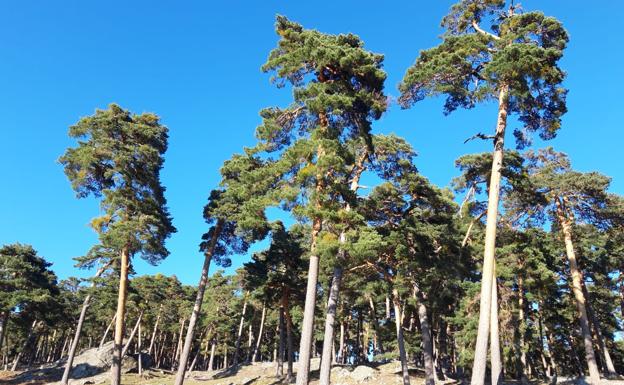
[254, 358]
[110, 324]
[426, 336]
[140, 351]
[282, 336]
[121, 314]
[249, 342]
[178, 350]
[550, 341]
[225, 355]
[65, 342]
[599, 337]
[153, 339]
[378, 343]
[289, 337]
[27, 343]
[487, 277]
[240, 330]
[307, 327]
[341, 348]
[330, 320]
[565, 220]
[399, 332]
[201, 288]
[83, 313]
[522, 332]
[495, 353]
[53, 347]
[124, 351]
[212, 355]
[4, 321]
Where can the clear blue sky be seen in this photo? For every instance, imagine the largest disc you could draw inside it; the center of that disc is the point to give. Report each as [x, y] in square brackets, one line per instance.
[196, 64]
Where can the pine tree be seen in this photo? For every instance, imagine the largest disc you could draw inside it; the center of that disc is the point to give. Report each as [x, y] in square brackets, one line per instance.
[235, 213]
[515, 64]
[569, 197]
[26, 284]
[338, 91]
[118, 157]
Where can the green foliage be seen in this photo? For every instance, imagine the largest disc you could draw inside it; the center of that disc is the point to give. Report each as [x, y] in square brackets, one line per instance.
[118, 157]
[472, 65]
[27, 285]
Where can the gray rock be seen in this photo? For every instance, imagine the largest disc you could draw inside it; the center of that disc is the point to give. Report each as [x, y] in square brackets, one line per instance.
[362, 373]
[93, 361]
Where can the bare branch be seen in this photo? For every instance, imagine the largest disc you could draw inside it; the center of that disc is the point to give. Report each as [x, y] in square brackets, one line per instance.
[483, 32]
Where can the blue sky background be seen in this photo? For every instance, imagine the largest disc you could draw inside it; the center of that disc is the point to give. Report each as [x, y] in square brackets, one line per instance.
[196, 64]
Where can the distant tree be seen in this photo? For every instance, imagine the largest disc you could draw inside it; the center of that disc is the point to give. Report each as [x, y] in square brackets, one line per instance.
[515, 64]
[118, 157]
[278, 273]
[27, 285]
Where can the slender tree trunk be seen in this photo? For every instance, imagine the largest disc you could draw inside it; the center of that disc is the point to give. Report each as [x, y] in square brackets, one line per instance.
[153, 339]
[140, 351]
[487, 277]
[378, 343]
[610, 368]
[330, 320]
[522, 332]
[307, 327]
[65, 342]
[178, 350]
[212, 355]
[110, 324]
[426, 336]
[121, 314]
[124, 351]
[28, 342]
[53, 347]
[565, 219]
[307, 330]
[249, 342]
[83, 313]
[495, 352]
[289, 337]
[4, 321]
[545, 343]
[334, 292]
[201, 288]
[577, 361]
[398, 315]
[225, 355]
[240, 330]
[282, 335]
[254, 358]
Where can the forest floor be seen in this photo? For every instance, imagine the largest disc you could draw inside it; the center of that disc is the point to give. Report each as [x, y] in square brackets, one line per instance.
[259, 374]
[252, 374]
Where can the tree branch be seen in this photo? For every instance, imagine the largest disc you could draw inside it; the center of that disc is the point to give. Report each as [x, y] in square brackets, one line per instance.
[483, 32]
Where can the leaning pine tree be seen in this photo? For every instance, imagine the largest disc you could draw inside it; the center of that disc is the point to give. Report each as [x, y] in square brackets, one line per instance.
[235, 213]
[118, 158]
[516, 64]
[338, 91]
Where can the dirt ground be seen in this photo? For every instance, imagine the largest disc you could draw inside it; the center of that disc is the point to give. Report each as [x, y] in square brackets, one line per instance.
[256, 374]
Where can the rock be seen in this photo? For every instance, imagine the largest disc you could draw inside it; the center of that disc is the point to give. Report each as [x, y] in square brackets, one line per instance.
[362, 373]
[339, 372]
[93, 361]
